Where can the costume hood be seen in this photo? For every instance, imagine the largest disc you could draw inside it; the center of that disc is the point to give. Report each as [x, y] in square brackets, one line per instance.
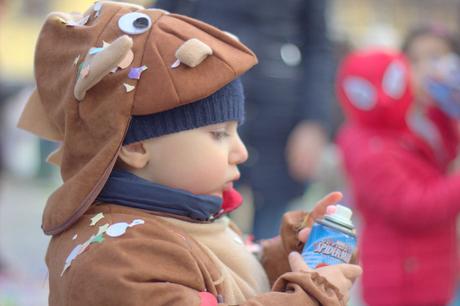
[94, 71]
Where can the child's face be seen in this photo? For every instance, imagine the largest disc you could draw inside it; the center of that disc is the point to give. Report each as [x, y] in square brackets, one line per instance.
[202, 160]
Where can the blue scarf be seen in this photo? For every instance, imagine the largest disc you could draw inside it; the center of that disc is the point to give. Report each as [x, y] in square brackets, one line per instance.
[127, 189]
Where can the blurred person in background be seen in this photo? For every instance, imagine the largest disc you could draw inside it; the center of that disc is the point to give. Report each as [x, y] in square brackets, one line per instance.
[427, 47]
[8, 88]
[396, 155]
[434, 54]
[288, 94]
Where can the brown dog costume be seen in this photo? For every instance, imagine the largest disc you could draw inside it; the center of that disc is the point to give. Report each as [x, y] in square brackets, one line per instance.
[93, 72]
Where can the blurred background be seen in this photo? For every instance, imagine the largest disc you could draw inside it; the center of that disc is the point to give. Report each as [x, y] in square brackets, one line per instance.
[26, 180]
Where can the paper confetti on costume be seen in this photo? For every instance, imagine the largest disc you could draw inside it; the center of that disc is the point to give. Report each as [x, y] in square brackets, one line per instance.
[114, 230]
[96, 218]
[135, 72]
[75, 62]
[119, 229]
[128, 87]
[175, 64]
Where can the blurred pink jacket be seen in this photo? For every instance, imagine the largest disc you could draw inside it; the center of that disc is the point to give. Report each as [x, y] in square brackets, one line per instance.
[407, 201]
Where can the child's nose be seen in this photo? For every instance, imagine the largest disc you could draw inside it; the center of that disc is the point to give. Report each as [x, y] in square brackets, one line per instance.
[239, 153]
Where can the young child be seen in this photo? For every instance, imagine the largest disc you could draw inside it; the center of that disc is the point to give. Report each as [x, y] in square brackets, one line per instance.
[397, 163]
[146, 105]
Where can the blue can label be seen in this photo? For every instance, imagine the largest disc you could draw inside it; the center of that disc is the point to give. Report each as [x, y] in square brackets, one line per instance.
[328, 246]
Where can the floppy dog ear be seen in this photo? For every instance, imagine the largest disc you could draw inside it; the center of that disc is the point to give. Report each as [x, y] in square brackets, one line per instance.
[55, 158]
[35, 120]
[96, 67]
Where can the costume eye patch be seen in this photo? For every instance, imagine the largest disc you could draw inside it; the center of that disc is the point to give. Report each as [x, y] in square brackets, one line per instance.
[134, 23]
[394, 82]
[360, 92]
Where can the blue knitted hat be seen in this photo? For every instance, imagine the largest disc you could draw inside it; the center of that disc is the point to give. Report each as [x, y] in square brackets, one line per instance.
[224, 105]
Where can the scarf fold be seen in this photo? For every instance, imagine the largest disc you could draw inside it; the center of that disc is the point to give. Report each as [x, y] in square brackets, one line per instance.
[127, 189]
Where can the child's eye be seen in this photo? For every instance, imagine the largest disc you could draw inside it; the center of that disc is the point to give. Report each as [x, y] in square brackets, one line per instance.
[219, 135]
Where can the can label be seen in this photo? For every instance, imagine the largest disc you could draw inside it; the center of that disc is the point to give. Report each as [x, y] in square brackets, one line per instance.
[328, 246]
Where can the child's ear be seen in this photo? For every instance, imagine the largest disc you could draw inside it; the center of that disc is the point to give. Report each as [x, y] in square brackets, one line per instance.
[134, 155]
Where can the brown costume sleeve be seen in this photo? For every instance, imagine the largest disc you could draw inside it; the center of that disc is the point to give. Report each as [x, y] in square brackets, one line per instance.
[275, 251]
[150, 266]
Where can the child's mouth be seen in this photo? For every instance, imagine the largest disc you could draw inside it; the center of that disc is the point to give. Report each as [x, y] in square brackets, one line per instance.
[228, 186]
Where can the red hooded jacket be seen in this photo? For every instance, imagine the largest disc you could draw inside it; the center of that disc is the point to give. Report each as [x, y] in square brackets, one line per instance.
[397, 169]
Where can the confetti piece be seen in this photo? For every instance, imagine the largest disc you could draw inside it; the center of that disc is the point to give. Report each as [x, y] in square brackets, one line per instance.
[119, 229]
[135, 72]
[93, 51]
[98, 239]
[238, 240]
[102, 229]
[85, 245]
[128, 87]
[75, 61]
[79, 68]
[96, 218]
[84, 20]
[70, 23]
[73, 254]
[84, 72]
[97, 8]
[136, 222]
[61, 20]
[75, 237]
[175, 64]
[127, 60]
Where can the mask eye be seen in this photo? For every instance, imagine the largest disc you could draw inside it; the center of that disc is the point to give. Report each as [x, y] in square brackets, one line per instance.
[134, 23]
[360, 92]
[394, 83]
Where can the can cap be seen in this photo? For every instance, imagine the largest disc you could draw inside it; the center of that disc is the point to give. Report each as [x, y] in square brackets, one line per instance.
[341, 215]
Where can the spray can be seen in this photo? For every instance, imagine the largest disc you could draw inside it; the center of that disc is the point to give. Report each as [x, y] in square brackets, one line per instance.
[332, 239]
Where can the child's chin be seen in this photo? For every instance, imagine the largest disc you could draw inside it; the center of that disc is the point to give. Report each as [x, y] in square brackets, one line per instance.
[217, 194]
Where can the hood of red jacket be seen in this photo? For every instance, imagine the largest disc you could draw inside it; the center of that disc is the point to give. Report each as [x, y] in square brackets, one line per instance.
[373, 87]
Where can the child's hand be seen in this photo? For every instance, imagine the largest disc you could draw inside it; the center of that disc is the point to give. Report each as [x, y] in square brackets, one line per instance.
[318, 212]
[342, 276]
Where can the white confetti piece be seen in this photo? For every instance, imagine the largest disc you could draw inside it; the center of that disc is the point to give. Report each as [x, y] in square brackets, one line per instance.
[175, 64]
[119, 229]
[73, 254]
[96, 219]
[75, 61]
[128, 87]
